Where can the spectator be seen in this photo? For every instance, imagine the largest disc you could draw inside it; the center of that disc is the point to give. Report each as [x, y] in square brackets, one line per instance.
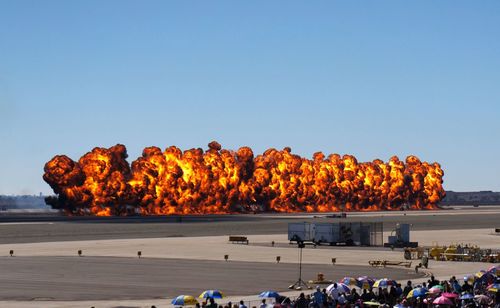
[466, 287]
[335, 292]
[433, 282]
[318, 298]
[263, 304]
[342, 300]
[407, 288]
[325, 298]
[302, 301]
[242, 304]
[212, 303]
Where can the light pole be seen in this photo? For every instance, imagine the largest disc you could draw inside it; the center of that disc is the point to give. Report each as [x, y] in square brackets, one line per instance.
[300, 283]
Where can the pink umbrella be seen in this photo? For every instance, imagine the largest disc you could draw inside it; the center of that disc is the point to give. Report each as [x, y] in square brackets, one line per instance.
[450, 295]
[435, 290]
[442, 300]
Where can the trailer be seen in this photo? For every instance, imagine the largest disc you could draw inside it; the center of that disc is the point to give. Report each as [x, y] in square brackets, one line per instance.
[327, 233]
[301, 232]
[339, 233]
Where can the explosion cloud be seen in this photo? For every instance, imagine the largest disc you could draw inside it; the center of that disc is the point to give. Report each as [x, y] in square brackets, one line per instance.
[222, 181]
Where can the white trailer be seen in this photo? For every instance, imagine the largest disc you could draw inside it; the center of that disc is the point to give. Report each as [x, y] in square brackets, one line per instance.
[301, 232]
[327, 233]
[338, 233]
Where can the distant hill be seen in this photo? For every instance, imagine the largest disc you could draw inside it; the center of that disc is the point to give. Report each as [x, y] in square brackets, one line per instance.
[486, 197]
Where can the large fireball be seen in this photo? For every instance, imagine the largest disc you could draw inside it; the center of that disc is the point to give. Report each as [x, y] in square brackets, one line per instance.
[219, 181]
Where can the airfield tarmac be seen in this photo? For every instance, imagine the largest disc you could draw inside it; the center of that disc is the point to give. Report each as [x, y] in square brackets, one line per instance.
[187, 256]
[32, 229]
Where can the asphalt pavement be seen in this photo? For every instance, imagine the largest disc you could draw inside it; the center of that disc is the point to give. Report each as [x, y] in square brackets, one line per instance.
[32, 229]
[98, 278]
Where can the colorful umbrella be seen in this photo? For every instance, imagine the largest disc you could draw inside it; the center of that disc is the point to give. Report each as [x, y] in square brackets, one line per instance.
[467, 296]
[442, 300]
[417, 292]
[269, 294]
[184, 300]
[365, 282]
[469, 278]
[436, 289]
[212, 294]
[340, 288]
[384, 283]
[485, 276]
[450, 295]
[495, 270]
[480, 273]
[494, 287]
[350, 281]
[482, 299]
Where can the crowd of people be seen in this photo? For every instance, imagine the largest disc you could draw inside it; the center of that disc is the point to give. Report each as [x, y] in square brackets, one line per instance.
[472, 292]
[479, 290]
[456, 294]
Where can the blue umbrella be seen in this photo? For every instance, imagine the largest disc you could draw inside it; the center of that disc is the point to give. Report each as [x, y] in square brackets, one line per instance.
[467, 296]
[417, 292]
[212, 294]
[340, 288]
[267, 294]
[184, 300]
[384, 283]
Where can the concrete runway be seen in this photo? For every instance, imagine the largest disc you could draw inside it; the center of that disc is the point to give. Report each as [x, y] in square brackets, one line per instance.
[32, 229]
[100, 278]
[180, 263]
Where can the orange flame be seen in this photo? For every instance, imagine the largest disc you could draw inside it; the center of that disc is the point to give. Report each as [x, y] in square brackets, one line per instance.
[220, 181]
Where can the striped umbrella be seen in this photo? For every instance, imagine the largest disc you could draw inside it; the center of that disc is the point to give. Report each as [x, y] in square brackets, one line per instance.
[184, 300]
[350, 281]
[384, 283]
[417, 292]
[365, 282]
[269, 294]
[212, 294]
[341, 287]
[495, 270]
[482, 299]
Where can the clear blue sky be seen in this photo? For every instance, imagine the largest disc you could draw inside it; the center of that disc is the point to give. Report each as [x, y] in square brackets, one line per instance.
[372, 79]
